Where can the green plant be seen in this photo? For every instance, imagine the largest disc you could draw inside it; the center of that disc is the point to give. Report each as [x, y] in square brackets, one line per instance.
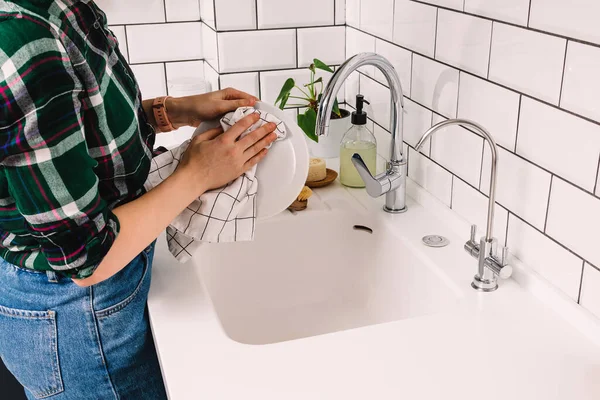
[312, 97]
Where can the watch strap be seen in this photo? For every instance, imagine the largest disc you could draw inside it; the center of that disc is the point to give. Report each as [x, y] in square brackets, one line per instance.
[160, 114]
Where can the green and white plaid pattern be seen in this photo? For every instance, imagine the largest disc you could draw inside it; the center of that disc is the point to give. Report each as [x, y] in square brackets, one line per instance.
[74, 139]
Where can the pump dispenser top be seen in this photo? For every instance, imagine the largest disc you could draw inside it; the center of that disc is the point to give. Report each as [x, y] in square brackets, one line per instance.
[359, 117]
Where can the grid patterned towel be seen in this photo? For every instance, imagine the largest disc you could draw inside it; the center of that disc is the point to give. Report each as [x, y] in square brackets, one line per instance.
[226, 214]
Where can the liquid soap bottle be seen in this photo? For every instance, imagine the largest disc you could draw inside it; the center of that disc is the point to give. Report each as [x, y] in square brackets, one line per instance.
[359, 140]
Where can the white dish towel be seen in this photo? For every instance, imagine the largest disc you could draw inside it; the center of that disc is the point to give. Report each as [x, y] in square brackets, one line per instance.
[227, 214]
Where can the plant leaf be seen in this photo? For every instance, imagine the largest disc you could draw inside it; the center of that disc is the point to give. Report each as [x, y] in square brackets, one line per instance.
[321, 65]
[285, 92]
[312, 68]
[315, 82]
[308, 122]
[336, 109]
[284, 100]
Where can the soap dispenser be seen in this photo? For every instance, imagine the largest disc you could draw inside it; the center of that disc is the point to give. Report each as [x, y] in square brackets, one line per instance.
[357, 140]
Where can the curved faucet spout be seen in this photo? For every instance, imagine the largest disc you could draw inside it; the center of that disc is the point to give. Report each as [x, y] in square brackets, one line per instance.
[397, 105]
[393, 181]
[493, 149]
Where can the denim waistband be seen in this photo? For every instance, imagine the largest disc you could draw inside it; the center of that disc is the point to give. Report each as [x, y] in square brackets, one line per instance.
[52, 276]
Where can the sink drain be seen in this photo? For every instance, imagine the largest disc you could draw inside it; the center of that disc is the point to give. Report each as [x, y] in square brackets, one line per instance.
[362, 228]
[435, 241]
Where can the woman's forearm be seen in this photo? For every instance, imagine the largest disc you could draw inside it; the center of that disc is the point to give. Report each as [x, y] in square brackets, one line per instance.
[142, 220]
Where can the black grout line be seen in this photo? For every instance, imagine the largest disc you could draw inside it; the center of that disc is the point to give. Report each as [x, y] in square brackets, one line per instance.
[394, 18]
[490, 53]
[164, 3]
[256, 12]
[437, 15]
[269, 70]
[457, 95]
[490, 81]
[548, 204]
[193, 21]
[562, 77]
[259, 86]
[297, 51]
[412, 58]
[511, 24]
[506, 234]
[334, 10]
[126, 42]
[168, 62]
[166, 79]
[464, 5]
[217, 56]
[215, 16]
[451, 190]
[597, 176]
[581, 282]
[518, 122]
[529, 13]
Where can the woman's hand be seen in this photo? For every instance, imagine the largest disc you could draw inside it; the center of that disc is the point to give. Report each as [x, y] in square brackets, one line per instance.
[214, 158]
[192, 110]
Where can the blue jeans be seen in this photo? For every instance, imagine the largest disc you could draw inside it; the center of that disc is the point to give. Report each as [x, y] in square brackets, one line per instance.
[65, 342]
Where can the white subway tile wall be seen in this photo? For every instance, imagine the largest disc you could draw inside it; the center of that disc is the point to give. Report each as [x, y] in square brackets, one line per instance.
[248, 44]
[135, 12]
[415, 26]
[377, 17]
[582, 81]
[514, 11]
[528, 61]
[524, 69]
[294, 13]
[235, 15]
[492, 106]
[164, 42]
[182, 10]
[527, 71]
[464, 41]
[327, 44]
[434, 85]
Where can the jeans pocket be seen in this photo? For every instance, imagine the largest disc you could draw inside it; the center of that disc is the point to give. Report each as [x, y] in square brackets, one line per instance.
[124, 286]
[28, 347]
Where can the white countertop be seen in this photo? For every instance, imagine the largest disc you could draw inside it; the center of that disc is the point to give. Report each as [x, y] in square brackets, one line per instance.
[501, 345]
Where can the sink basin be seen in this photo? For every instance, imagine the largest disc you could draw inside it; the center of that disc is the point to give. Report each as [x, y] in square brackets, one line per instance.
[315, 273]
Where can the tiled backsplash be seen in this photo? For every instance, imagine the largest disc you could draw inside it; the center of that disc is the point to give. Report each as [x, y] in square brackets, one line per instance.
[525, 69]
[253, 45]
[528, 71]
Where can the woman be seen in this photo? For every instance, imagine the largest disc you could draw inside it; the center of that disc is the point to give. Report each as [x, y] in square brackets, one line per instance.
[77, 230]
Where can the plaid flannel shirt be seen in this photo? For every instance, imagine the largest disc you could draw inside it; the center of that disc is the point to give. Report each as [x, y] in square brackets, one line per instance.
[74, 139]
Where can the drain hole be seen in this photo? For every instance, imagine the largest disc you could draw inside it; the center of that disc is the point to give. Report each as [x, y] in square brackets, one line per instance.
[362, 228]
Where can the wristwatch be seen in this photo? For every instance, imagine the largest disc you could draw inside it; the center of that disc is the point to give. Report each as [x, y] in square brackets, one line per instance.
[160, 114]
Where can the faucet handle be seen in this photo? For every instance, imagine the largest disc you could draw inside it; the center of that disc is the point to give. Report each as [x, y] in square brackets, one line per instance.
[374, 187]
[473, 233]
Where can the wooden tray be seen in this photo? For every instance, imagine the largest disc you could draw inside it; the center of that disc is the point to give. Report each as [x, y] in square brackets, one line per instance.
[331, 176]
[298, 205]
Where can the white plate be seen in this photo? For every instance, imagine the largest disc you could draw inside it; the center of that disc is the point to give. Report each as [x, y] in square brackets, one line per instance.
[283, 172]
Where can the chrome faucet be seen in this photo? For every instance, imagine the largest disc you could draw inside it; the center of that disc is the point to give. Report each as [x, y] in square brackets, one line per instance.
[490, 264]
[392, 183]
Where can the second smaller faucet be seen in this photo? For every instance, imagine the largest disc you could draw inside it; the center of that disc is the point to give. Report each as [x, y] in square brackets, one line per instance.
[491, 262]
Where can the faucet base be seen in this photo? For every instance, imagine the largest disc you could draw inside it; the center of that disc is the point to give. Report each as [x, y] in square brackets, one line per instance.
[484, 285]
[395, 211]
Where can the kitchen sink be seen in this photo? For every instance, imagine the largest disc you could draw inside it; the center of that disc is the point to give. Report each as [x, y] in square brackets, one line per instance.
[315, 273]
